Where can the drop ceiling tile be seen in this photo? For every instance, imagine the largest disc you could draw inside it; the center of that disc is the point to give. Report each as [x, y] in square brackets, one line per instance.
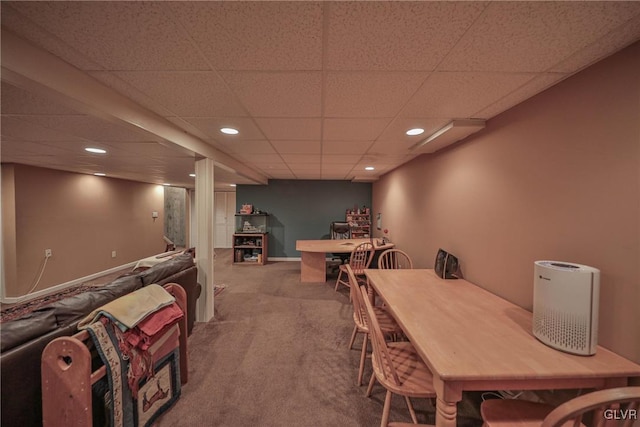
[306, 168]
[187, 127]
[460, 94]
[340, 160]
[531, 88]
[185, 93]
[345, 147]
[277, 94]
[277, 64]
[290, 129]
[249, 147]
[297, 147]
[154, 149]
[612, 42]
[77, 147]
[12, 148]
[211, 126]
[118, 35]
[397, 129]
[35, 34]
[15, 100]
[393, 147]
[23, 128]
[533, 36]
[280, 174]
[35, 160]
[383, 158]
[299, 159]
[274, 167]
[255, 35]
[115, 82]
[260, 158]
[395, 35]
[367, 94]
[91, 128]
[353, 129]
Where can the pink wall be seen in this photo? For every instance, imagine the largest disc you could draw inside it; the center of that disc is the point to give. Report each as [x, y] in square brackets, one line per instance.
[557, 177]
[82, 218]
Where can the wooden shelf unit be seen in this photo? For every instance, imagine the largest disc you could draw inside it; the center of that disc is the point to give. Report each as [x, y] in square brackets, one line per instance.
[254, 244]
[360, 225]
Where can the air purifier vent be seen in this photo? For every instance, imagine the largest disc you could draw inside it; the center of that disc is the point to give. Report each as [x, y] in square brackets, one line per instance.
[565, 306]
[568, 330]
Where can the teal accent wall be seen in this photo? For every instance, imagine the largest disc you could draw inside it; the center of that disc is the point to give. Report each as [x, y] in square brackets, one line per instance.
[302, 209]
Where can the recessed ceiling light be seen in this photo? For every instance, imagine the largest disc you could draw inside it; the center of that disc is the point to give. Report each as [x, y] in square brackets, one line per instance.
[232, 185]
[95, 150]
[192, 175]
[415, 131]
[369, 168]
[229, 131]
[100, 174]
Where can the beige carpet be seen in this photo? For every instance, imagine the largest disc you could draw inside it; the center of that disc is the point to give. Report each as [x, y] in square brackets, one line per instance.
[276, 355]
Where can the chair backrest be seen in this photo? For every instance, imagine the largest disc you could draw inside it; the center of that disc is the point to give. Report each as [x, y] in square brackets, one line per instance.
[381, 355]
[361, 257]
[608, 408]
[340, 230]
[356, 299]
[394, 259]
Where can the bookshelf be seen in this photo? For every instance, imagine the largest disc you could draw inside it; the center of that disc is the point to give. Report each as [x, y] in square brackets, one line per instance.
[360, 224]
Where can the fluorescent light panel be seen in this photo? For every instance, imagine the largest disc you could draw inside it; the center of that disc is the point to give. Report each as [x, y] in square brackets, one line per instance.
[451, 133]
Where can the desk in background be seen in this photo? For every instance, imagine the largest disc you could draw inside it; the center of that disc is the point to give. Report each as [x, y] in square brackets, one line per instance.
[313, 266]
[472, 339]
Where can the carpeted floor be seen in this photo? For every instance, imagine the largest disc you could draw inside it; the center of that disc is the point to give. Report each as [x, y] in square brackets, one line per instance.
[276, 355]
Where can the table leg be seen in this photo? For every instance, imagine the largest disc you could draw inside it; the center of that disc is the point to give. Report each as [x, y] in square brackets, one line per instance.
[313, 267]
[446, 403]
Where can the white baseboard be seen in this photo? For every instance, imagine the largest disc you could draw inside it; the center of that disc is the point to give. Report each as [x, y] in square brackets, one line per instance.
[271, 258]
[289, 259]
[63, 286]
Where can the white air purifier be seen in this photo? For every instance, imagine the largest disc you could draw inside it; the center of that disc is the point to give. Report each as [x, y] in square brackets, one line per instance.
[565, 306]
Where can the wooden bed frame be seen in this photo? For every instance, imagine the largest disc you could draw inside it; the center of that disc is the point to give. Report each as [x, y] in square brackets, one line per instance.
[67, 378]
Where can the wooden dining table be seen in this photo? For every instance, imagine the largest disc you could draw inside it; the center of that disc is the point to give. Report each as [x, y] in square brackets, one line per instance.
[472, 339]
[313, 265]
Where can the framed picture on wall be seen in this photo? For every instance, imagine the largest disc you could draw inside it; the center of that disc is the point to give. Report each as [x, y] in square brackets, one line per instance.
[379, 221]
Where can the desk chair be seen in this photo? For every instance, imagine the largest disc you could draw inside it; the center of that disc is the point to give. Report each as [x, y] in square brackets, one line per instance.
[340, 230]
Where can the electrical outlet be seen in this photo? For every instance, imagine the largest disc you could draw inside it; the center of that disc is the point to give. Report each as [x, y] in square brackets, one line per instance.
[48, 253]
[113, 254]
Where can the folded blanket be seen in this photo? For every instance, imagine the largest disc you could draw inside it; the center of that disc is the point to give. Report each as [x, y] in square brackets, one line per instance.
[127, 311]
[143, 335]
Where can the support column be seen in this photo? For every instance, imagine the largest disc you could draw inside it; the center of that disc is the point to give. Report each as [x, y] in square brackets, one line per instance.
[205, 228]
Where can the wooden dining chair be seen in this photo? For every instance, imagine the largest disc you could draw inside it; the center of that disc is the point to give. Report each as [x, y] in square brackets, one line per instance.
[513, 413]
[397, 366]
[604, 408]
[360, 259]
[388, 325]
[607, 408]
[394, 259]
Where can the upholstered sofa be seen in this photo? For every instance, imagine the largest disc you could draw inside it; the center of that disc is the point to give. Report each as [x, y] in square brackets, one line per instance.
[22, 340]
